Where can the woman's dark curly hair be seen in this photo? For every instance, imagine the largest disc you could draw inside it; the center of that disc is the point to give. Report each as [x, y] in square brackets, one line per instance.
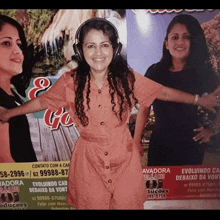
[120, 77]
[22, 80]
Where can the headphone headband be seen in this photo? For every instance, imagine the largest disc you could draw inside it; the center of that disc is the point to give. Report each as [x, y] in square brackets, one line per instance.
[77, 35]
[77, 50]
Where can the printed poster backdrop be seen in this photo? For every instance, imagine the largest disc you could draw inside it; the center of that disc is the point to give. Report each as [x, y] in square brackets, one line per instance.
[146, 33]
[50, 34]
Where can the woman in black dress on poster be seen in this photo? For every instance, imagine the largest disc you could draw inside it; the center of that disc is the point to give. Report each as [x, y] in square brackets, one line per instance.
[179, 138]
[15, 141]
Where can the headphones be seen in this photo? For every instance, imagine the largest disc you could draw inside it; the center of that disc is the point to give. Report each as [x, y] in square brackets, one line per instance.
[77, 49]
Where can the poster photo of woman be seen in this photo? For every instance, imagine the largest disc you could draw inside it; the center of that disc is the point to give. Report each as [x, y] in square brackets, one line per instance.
[182, 134]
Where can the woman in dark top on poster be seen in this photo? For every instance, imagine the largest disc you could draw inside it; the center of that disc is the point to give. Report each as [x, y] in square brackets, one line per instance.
[179, 137]
[15, 141]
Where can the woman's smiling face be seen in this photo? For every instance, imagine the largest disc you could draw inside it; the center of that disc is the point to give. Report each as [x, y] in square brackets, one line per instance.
[11, 55]
[97, 50]
[178, 42]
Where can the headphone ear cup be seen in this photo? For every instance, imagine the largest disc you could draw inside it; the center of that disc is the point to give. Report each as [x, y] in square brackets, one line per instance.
[117, 50]
[78, 52]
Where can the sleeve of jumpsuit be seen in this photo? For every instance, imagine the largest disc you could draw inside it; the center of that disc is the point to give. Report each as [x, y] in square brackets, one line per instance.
[57, 95]
[146, 90]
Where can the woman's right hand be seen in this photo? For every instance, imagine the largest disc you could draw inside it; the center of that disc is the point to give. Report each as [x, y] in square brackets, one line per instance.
[3, 115]
[210, 101]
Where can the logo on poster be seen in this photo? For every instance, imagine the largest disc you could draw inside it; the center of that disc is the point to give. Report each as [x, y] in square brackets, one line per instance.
[154, 186]
[9, 194]
[51, 119]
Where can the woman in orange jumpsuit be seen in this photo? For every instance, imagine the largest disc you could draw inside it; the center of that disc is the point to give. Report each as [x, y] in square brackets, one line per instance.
[105, 170]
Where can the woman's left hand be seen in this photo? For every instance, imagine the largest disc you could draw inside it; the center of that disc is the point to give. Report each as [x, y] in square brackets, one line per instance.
[204, 135]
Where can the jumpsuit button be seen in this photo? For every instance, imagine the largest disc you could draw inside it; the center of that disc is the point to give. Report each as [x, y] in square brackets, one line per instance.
[106, 153]
[107, 167]
[99, 91]
[100, 106]
[102, 123]
[109, 181]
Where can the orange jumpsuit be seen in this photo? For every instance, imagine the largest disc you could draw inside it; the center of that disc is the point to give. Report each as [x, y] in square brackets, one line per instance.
[105, 169]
